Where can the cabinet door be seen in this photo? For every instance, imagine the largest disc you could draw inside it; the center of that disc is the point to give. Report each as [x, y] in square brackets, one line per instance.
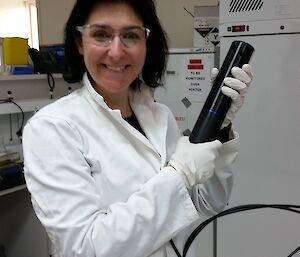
[21, 232]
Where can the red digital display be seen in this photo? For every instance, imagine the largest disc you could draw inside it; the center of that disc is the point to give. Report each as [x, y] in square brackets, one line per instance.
[238, 28]
[195, 67]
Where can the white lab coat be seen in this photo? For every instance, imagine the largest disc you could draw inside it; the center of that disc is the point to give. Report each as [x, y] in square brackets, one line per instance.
[100, 187]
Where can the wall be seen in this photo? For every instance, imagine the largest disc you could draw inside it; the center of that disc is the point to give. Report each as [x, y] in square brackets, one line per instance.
[52, 16]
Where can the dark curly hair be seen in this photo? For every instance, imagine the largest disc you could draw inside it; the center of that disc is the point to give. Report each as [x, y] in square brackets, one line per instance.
[157, 45]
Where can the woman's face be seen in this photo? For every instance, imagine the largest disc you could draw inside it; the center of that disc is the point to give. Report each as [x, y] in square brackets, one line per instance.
[113, 65]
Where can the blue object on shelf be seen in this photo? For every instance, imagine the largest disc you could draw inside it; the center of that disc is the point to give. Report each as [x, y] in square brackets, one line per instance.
[21, 70]
[11, 175]
[11, 169]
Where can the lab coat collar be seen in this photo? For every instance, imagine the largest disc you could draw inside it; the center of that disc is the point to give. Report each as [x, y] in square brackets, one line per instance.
[153, 121]
[96, 97]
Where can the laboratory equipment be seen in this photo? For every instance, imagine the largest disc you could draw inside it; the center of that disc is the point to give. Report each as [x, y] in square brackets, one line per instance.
[2, 67]
[186, 84]
[217, 104]
[267, 169]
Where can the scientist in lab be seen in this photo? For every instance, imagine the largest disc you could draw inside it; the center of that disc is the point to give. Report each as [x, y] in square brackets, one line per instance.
[108, 171]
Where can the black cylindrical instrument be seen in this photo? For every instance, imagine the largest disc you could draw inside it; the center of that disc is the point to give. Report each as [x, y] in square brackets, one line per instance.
[217, 104]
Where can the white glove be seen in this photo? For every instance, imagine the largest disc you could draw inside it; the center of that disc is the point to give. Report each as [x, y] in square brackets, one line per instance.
[195, 162]
[236, 88]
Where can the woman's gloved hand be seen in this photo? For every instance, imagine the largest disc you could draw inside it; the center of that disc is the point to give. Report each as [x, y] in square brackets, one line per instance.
[235, 88]
[196, 162]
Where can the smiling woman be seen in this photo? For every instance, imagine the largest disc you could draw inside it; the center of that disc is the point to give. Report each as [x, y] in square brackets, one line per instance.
[18, 18]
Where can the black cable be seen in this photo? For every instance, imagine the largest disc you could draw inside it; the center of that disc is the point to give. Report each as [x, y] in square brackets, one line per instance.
[10, 100]
[175, 248]
[189, 12]
[231, 211]
[51, 84]
[293, 252]
[291, 208]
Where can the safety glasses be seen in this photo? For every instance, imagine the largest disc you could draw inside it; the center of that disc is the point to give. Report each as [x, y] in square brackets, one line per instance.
[103, 35]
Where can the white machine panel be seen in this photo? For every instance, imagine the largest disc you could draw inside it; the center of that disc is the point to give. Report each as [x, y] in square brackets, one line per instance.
[232, 11]
[245, 28]
[186, 85]
[270, 17]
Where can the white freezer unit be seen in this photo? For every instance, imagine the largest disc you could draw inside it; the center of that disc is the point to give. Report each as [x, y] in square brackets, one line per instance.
[186, 84]
[267, 170]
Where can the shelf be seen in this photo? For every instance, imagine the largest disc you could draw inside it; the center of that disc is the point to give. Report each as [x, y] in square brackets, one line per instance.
[28, 77]
[13, 189]
[28, 105]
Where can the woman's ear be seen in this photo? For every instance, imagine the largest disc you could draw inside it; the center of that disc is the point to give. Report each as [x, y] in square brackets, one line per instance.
[79, 45]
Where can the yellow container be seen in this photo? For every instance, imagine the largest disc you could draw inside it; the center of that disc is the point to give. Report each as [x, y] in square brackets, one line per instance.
[15, 50]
